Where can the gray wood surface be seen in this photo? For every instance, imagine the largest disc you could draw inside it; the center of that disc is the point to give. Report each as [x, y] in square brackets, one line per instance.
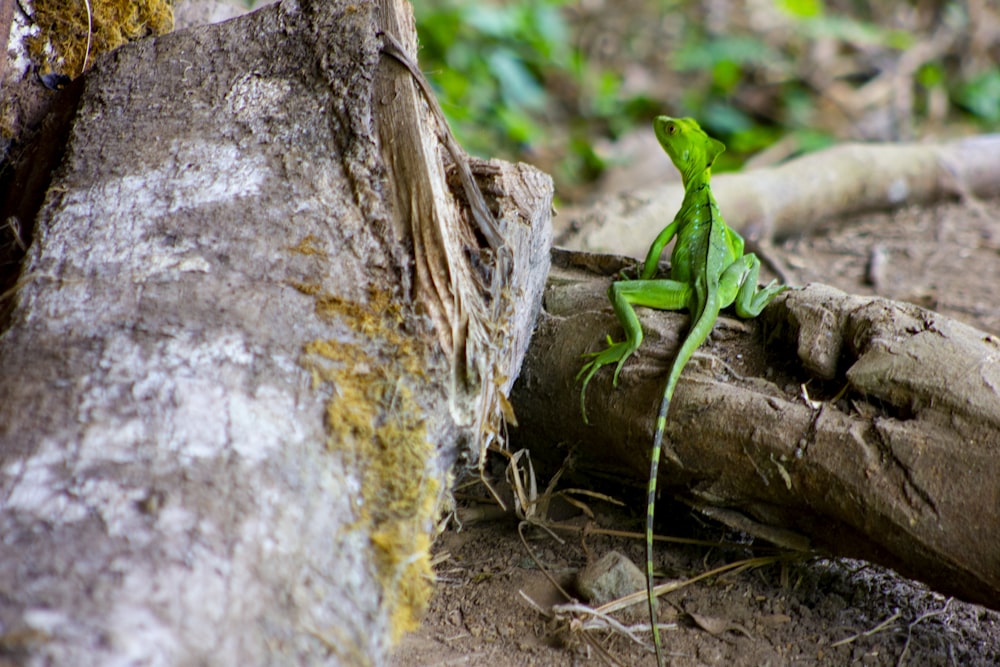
[229, 402]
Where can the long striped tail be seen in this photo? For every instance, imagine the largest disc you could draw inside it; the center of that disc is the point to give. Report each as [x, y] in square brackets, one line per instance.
[654, 467]
[700, 328]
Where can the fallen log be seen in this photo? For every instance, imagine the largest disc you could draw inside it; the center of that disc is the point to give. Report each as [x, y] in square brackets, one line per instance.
[863, 427]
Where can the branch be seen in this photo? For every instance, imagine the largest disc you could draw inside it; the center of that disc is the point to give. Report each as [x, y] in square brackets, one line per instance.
[799, 195]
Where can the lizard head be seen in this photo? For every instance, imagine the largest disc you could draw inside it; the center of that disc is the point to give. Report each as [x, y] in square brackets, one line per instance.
[690, 149]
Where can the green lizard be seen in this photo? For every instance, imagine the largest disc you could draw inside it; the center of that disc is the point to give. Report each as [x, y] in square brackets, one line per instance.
[708, 272]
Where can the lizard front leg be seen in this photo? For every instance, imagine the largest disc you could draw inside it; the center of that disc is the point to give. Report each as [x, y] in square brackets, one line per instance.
[624, 295]
[652, 261]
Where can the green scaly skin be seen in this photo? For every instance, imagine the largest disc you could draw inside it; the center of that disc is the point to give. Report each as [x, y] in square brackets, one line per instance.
[708, 272]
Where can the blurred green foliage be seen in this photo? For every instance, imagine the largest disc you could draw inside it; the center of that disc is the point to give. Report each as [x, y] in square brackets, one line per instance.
[508, 73]
[487, 62]
[980, 95]
[513, 81]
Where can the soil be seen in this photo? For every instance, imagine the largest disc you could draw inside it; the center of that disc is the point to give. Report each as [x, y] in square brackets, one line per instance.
[807, 612]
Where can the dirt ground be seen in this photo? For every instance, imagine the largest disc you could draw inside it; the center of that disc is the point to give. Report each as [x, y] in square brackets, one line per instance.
[813, 612]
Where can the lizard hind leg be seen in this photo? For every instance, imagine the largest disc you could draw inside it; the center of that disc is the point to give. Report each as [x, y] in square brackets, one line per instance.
[748, 298]
[624, 295]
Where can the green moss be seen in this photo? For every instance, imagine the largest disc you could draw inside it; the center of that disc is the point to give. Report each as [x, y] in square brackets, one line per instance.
[65, 33]
[374, 419]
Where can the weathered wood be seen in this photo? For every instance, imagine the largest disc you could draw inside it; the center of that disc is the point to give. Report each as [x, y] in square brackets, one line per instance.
[226, 419]
[867, 427]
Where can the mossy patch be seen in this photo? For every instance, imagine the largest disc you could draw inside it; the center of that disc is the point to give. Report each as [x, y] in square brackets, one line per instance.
[373, 417]
[67, 38]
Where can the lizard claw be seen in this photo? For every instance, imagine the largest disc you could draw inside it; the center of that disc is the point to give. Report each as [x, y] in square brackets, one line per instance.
[618, 369]
[587, 372]
[615, 353]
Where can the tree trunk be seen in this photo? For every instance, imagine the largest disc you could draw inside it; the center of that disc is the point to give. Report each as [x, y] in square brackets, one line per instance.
[246, 348]
[868, 428]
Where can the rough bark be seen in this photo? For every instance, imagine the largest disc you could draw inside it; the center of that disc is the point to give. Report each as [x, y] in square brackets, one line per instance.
[801, 194]
[233, 382]
[864, 427]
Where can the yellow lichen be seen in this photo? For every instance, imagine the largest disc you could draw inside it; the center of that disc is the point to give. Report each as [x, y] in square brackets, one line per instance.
[67, 38]
[307, 246]
[373, 417]
[408, 555]
[309, 289]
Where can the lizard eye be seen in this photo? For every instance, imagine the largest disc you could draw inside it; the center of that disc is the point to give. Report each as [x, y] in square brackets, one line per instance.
[671, 129]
